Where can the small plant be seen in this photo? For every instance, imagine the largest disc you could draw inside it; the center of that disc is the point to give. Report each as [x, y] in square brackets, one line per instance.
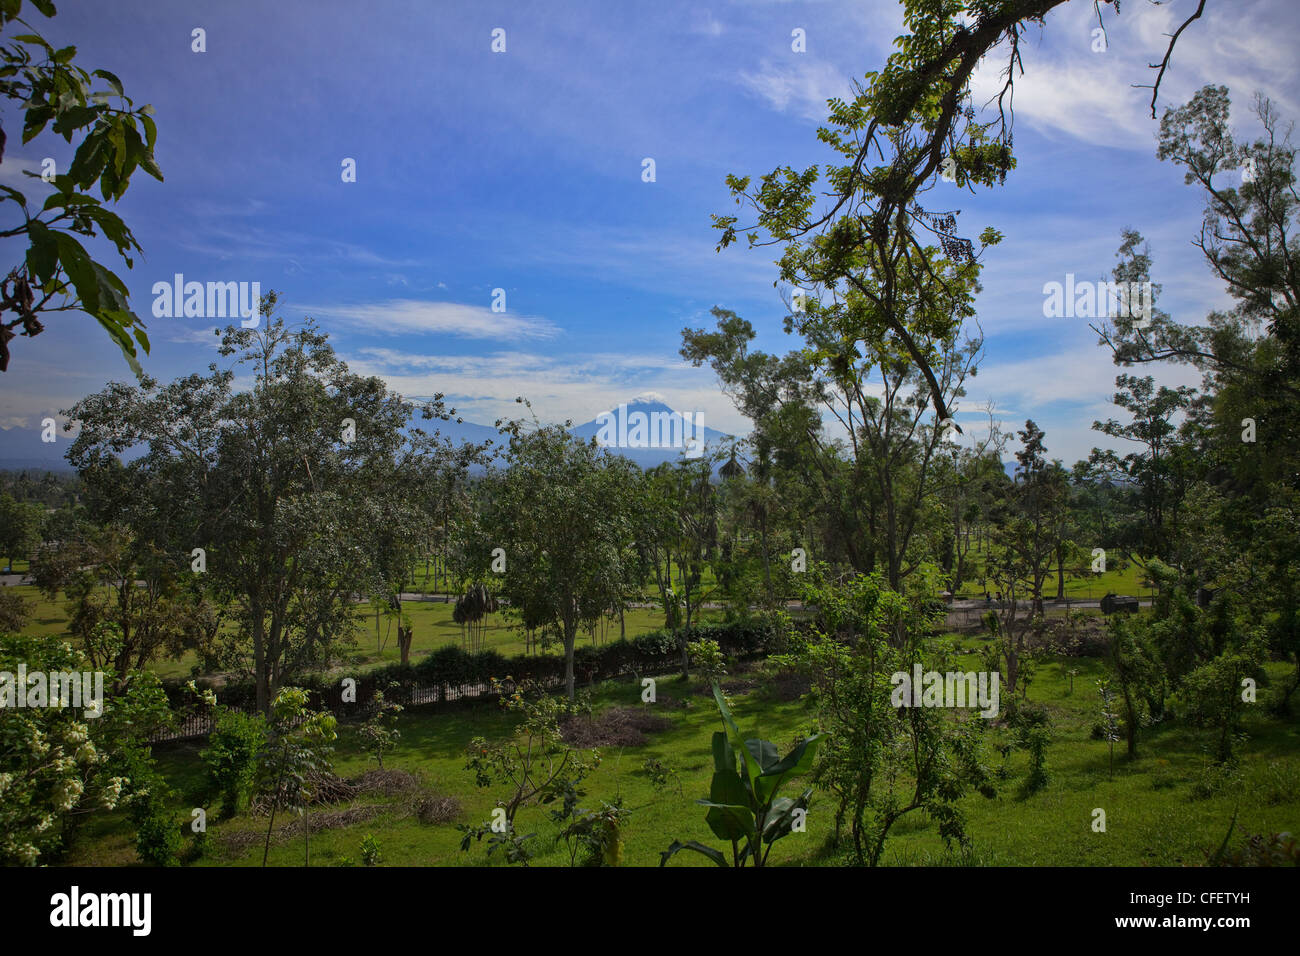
[598, 832]
[379, 733]
[744, 809]
[535, 766]
[1072, 673]
[661, 775]
[1109, 720]
[708, 659]
[371, 855]
[298, 747]
[509, 840]
[1033, 734]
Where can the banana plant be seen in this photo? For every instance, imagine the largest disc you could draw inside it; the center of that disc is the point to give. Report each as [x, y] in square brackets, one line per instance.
[744, 807]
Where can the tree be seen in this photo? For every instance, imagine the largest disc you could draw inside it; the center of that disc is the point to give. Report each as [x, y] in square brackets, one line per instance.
[127, 602]
[379, 733]
[560, 511]
[290, 510]
[1157, 474]
[880, 762]
[20, 524]
[681, 535]
[917, 118]
[534, 764]
[872, 475]
[296, 754]
[57, 273]
[1024, 546]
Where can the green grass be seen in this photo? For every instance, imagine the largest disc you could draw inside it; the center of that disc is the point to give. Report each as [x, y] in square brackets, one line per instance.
[431, 621]
[1154, 814]
[1088, 586]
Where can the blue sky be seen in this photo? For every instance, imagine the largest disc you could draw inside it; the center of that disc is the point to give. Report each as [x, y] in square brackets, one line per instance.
[523, 171]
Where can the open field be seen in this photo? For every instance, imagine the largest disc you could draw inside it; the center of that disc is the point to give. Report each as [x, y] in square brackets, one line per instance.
[1156, 814]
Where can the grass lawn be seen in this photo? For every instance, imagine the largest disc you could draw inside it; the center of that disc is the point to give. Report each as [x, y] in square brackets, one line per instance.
[1155, 813]
[1130, 580]
[431, 620]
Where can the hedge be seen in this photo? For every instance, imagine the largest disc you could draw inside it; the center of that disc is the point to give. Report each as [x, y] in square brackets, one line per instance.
[453, 667]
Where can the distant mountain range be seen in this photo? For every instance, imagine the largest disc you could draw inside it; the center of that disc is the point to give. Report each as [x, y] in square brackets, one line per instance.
[645, 430]
[22, 448]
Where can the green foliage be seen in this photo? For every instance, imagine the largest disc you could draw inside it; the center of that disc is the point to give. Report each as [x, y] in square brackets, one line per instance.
[114, 138]
[296, 753]
[1033, 734]
[231, 757]
[882, 763]
[379, 733]
[534, 766]
[708, 659]
[1213, 696]
[158, 839]
[596, 834]
[371, 855]
[50, 766]
[744, 803]
[14, 611]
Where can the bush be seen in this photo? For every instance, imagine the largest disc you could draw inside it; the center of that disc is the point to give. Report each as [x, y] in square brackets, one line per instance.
[231, 757]
[157, 835]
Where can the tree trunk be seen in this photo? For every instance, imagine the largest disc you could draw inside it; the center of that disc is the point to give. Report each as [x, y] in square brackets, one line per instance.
[570, 638]
[259, 661]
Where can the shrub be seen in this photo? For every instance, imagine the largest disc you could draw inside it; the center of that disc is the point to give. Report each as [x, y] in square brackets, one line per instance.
[371, 855]
[231, 757]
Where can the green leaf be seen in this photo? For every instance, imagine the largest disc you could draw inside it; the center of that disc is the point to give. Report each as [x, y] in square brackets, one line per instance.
[752, 768]
[15, 195]
[714, 855]
[764, 751]
[731, 813]
[150, 132]
[113, 81]
[797, 761]
[43, 254]
[724, 758]
[119, 336]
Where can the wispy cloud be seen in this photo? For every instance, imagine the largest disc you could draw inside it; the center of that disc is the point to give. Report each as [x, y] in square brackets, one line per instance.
[706, 24]
[576, 387]
[412, 316]
[801, 88]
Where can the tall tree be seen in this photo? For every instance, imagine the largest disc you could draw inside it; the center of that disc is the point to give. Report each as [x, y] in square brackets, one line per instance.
[287, 503]
[560, 511]
[916, 121]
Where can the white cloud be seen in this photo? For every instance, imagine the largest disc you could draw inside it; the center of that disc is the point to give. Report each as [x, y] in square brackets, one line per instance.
[801, 89]
[1104, 98]
[577, 387]
[411, 316]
